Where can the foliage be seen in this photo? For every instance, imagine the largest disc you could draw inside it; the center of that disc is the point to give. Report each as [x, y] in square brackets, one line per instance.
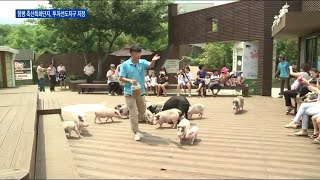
[289, 48]
[215, 55]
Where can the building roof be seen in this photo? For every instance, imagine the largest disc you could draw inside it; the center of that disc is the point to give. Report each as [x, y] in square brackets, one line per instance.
[9, 49]
[25, 54]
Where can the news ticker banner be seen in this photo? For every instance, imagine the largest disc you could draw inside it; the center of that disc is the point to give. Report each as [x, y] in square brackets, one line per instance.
[52, 13]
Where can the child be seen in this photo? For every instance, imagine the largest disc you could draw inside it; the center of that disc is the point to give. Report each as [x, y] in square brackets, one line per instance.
[181, 81]
[239, 79]
[215, 82]
[147, 84]
[207, 81]
[153, 82]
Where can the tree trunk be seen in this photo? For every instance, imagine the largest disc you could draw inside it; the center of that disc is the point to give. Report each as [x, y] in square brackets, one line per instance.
[85, 58]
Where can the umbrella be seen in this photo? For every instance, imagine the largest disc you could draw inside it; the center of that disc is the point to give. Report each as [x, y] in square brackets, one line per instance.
[125, 52]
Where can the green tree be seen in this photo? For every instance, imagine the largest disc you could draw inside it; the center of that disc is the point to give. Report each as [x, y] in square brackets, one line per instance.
[216, 55]
[107, 21]
[289, 48]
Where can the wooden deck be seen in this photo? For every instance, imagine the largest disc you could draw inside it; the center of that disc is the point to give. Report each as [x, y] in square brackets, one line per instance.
[251, 145]
[17, 131]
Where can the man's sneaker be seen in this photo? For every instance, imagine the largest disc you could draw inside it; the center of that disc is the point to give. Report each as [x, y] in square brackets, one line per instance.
[137, 136]
[115, 94]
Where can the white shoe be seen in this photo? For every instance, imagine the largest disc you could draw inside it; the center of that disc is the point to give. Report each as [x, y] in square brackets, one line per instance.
[115, 94]
[137, 136]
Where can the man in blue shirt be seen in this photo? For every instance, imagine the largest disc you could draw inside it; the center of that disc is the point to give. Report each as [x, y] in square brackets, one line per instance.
[132, 72]
[283, 68]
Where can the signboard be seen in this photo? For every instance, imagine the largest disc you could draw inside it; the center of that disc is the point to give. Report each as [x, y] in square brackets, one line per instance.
[23, 69]
[250, 61]
[172, 65]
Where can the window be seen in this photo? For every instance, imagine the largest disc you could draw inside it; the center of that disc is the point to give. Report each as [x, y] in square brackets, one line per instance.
[214, 26]
[318, 53]
[311, 52]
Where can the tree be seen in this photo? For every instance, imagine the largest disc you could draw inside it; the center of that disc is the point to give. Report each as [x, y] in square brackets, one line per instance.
[289, 48]
[107, 21]
[216, 55]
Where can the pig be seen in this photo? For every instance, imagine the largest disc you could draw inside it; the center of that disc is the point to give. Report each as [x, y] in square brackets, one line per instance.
[179, 102]
[192, 134]
[123, 110]
[167, 116]
[70, 126]
[238, 103]
[196, 109]
[183, 127]
[155, 108]
[149, 116]
[106, 113]
[80, 120]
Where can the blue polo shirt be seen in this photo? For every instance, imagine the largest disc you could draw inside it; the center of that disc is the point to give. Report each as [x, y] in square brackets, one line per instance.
[133, 71]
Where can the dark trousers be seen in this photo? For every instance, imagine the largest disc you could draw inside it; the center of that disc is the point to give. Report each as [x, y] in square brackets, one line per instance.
[114, 87]
[304, 90]
[89, 81]
[52, 82]
[284, 81]
[288, 94]
[41, 84]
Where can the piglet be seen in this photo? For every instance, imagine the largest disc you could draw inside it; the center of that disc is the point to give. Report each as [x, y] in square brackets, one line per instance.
[106, 113]
[123, 109]
[192, 134]
[149, 116]
[80, 120]
[183, 127]
[196, 109]
[70, 126]
[237, 104]
[168, 116]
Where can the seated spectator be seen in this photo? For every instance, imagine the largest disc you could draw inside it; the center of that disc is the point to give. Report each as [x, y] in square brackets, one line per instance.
[306, 110]
[296, 85]
[314, 74]
[162, 81]
[201, 74]
[153, 82]
[188, 77]
[181, 81]
[225, 77]
[147, 83]
[239, 80]
[215, 82]
[316, 127]
[113, 77]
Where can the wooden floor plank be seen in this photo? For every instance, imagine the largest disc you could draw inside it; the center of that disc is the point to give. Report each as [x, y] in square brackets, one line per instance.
[13, 173]
[7, 122]
[3, 112]
[10, 142]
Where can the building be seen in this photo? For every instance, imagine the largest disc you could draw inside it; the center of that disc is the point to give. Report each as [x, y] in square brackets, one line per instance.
[237, 21]
[7, 55]
[23, 63]
[303, 24]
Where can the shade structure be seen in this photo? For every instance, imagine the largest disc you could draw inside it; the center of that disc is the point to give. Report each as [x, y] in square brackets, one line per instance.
[125, 52]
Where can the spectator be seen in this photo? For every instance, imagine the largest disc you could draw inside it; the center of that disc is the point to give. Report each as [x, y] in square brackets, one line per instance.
[296, 85]
[239, 80]
[180, 81]
[88, 71]
[52, 75]
[147, 84]
[113, 76]
[188, 77]
[62, 75]
[41, 72]
[224, 77]
[314, 74]
[162, 81]
[154, 83]
[201, 74]
[215, 82]
[283, 68]
[118, 67]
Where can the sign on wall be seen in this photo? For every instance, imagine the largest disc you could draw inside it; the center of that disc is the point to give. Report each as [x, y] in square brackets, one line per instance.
[23, 69]
[172, 65]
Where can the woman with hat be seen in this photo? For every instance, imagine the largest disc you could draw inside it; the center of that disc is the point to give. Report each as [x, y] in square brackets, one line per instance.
[112, 76]
[224, 77]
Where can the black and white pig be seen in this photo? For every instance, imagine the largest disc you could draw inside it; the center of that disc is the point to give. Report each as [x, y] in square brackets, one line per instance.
[179, 102]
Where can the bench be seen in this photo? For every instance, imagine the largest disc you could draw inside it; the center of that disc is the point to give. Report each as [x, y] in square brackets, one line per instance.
[105, 87]
[53, 162]
[18, 141]
[49, 105]
[245, 89]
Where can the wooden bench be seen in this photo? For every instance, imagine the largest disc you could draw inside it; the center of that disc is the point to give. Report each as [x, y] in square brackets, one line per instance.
[49, 105]
[18, 141]
[245, 89]
[53, 162]
[105, 87]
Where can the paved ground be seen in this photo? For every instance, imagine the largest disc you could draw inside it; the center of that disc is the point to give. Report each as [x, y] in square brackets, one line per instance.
[250, 145]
